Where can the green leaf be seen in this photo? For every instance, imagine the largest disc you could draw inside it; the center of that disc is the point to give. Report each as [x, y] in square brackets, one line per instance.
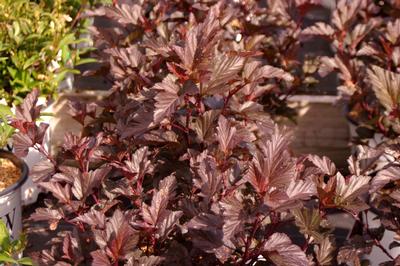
[6, 258]
[65, 53]
[29, 62]
[85, 61]
[67, 40]
[5, 110]
[19, 244]
[4, 235]
[17, 28]
[6, 132]
[25, 261]
[12, 71]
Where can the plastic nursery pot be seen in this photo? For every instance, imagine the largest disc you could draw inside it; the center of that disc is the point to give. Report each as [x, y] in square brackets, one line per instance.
[10, 198]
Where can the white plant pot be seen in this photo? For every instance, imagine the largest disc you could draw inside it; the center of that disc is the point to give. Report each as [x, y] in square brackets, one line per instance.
[10, 198]
[87, 36]
[377, 256]
[29, 190]
[67, 83]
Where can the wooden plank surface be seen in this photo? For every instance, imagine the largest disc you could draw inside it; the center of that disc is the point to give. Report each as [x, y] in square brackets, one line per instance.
[321, 128]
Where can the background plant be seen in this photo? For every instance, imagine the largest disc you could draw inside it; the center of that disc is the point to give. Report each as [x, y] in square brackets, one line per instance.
[6, 130]
[11, 249]
[35, 46]
[383, 203]
[365, 38]
[269, 31]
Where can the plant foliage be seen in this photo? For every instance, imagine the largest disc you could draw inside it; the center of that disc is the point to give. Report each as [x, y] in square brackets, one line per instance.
[149, 40]
[365, 39]
[36, 39]
[10, 249]
[182, 164]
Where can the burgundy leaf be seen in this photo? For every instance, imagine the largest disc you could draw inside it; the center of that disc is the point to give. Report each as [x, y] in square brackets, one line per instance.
[156, 215]
[67, 174]
[145, 261]
[349, 191]
[139, 123]
[225, 69]
[319, 28]
[226, 135]
[280, 249]
[210, 181]
[384, 177]
[206, 230]
[42, 171]
[188, 53]
[273, 168]
[329, 64]
[63, 193]
[324, 164]
[79, 110]
[28, 111]
[139, 165]
[168, 223]
[157, 212]
[367, 50]
[93, 218]
[21, 143]
[46, 214]
[386, 85]
[124, 62]
[325, 252]
[85, 183]
[273, 72]
[159, 46]
[234, 218]
[120, 236]
[71, 249]
[167, 100]
[292, 196]
[124, 13]
[365, 160]
[100, 258]
[203, 126]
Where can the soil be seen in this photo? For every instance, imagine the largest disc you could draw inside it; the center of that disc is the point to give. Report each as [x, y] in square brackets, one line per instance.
[9, 173]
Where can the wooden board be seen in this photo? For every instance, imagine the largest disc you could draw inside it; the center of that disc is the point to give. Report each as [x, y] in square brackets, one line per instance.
[321, 128]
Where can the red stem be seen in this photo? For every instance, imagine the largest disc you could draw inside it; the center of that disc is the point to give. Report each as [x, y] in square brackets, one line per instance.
[178, 127]
[249, 238]
[376, 241]
[379, 245]
[188, 116]
[42, 150]
[231, 93]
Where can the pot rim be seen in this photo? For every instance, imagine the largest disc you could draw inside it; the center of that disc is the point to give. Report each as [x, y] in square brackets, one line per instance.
[21, 165]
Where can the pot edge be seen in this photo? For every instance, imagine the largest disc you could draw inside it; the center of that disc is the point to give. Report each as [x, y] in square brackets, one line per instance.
[21, 165]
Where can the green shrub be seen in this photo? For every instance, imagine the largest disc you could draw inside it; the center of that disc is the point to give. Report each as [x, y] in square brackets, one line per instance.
[9, 249]
[36, 46]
